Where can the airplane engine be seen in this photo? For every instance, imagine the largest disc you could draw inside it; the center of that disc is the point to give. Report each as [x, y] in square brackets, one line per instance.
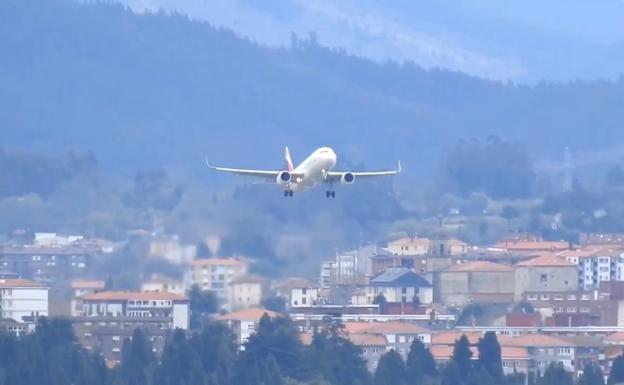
[347, 178]
[284, 177]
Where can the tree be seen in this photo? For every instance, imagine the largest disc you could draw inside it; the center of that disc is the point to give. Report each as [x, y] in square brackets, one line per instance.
[451, 374]
[277, 304]
[180, 363]
[390, 370]
[462, 356]
[337, 360]
[217, 350]
[277, 338]
[555, 375]
[592, 375]
[137, 360]
[490, 355]
[420, 364]
[616, 375]
[381, 301]
[201, 304]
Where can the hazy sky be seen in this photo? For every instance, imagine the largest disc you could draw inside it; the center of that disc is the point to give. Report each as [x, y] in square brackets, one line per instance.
[523, 41]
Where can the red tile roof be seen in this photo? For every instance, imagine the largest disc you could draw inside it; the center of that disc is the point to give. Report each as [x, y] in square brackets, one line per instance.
[479, 266]
[132, 295]
[86, 284]
[18, 282]
[548, 260]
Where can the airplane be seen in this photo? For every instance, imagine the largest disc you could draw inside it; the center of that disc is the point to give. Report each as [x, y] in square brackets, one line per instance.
[314, 170]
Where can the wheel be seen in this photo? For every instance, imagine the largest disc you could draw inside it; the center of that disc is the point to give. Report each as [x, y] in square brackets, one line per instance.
[290, 193]
[327, 194]
[286, 193]
[333, 194]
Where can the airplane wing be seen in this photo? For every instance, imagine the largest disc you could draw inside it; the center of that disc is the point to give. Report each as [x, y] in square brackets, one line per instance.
[335, 176]
[268, 174]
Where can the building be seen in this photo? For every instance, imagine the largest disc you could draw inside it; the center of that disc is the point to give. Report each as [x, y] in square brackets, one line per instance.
[82, 287]
[22, 300]
[398, 335]
[476, 281]
[244, 323]
[216, 274]
[107, 318]
[170, 249]
[596, 265]
[164, 284]
[299, 292]
[247, 291]
[328, 273]
[409, 246]
[47, 265]
[399, 285]
[548, 273]
[170, 310]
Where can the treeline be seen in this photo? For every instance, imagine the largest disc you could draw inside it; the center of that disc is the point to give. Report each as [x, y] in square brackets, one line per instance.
[274, 355]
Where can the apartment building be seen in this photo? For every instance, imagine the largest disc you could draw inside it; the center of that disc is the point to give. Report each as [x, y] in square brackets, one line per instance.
[247, 291]
[597, 264]
[399, 285]
[546, 273]
[216, 274]
[244, 323]
[23, 300]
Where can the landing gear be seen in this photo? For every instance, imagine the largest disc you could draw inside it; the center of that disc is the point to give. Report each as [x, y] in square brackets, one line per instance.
[288, 193]
[330, 194]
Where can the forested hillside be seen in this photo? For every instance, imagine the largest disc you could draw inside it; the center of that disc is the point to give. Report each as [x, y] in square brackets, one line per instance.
[163, 90]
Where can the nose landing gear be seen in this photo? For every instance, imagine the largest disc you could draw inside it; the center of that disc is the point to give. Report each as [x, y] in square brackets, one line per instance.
[330, 194]
[288, 193]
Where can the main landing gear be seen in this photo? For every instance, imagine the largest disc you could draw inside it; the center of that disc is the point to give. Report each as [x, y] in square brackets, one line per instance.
[330, 194]
[288, 193]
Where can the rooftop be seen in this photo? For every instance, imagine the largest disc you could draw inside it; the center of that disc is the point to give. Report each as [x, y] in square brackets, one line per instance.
[522, 245]
[132, 295]
[218, 262]
[479, 266]
[393, 327]
[88, 284]
[367, 339]
[252, 314]
[547, 260]
[249, 278]
[408, 241]
[17, 282]
[399, 276]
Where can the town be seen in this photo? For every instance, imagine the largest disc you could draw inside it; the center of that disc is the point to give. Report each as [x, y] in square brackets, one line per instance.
[547, 302]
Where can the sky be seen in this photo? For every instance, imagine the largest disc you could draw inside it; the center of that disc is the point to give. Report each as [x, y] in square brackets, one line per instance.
[524, 42]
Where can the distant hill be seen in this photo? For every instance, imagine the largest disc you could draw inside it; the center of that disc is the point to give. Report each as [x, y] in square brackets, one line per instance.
[150, 90]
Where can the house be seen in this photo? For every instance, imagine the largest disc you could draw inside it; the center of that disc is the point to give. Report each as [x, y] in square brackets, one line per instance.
[247, 291]
[547, 273]
[398, 335]
[23, 300]
[163, 284]
[475, 281]
[409, 246]
[243, 323]
[298, 292]
[216, 274]
[399, 285]
[82, 287]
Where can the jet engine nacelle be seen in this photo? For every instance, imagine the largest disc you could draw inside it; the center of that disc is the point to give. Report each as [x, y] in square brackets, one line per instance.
[284, 177]
[347, 178]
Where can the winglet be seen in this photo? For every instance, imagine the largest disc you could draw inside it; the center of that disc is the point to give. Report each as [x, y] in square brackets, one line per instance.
[399, 169]
[208, 163]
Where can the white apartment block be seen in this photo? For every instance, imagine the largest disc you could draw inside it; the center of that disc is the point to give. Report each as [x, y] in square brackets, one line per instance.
[171, 310]
[217, 274]
[23, 300]
[596, 265]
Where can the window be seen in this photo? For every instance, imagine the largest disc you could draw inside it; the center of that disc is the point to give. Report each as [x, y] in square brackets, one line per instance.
[304, 301]
[543, 278]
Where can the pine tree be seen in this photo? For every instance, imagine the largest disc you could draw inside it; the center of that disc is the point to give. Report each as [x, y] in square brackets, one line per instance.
[616, 375]
[337, 360]
[451, 374]
[490, 355]
[592, 375]
[137, 359]
[390, 370]
[217, 350]
[420, 364]
[462, 356]
[555, 375]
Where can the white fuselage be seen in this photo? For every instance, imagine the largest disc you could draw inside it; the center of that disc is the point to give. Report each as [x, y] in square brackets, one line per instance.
[313, 169]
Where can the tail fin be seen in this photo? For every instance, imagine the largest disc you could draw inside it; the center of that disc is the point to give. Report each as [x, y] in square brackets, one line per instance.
[289, 163]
